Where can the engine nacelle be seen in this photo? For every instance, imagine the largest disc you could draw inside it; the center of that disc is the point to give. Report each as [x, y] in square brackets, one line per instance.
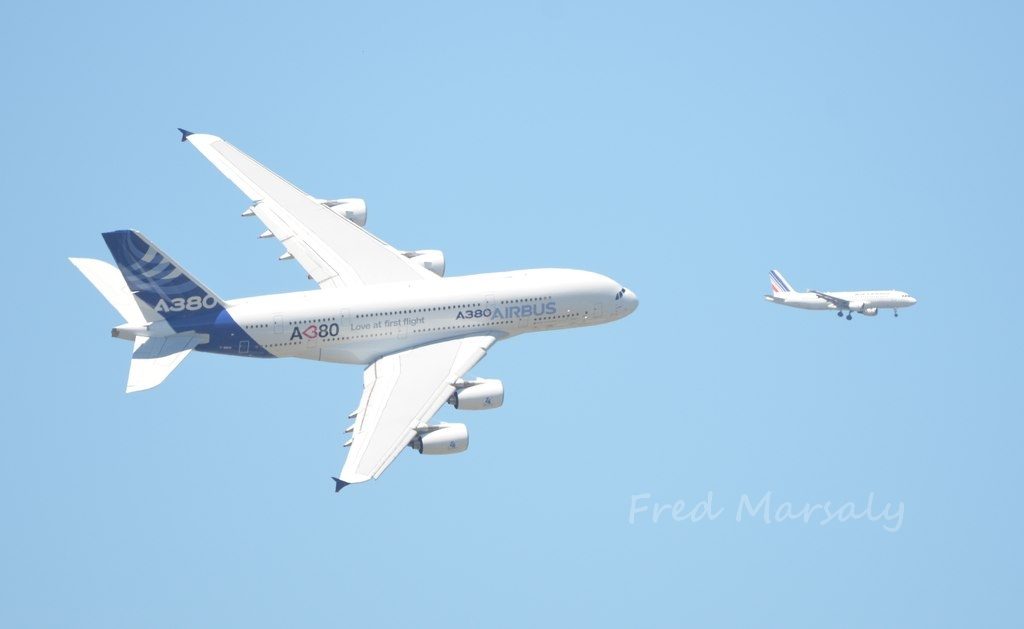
[430, 259]
[478, 395]
[869, 312]
[447, 439]
[352, 209]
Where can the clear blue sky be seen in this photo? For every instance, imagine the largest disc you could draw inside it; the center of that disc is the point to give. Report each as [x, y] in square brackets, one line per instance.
[682, 149]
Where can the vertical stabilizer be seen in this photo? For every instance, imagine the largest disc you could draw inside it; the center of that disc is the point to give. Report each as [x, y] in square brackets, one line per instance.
[161, 283]
[779, 283]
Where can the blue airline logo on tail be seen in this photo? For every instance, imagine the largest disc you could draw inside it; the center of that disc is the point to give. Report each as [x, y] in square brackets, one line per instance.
[155, 278]
[779, 283]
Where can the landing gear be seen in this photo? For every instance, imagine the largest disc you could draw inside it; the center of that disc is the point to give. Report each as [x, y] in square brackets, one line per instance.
[840, 314]
[849, 316]
[894, 313]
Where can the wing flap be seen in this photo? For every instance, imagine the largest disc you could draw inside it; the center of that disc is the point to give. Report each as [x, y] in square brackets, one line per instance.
[318, 269]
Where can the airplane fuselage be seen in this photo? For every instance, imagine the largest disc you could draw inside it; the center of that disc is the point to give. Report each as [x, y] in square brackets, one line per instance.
[859, 300]
[359, 325]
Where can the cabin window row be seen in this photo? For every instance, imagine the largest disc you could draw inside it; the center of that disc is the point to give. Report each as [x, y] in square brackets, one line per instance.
[392, 313]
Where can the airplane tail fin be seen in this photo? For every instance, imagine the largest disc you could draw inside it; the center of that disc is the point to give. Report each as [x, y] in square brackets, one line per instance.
[160, 283]
[160, 302]
[779, 283]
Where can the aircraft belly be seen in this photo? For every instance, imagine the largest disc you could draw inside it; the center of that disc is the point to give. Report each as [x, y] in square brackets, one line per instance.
[364, 352]
[812, 305]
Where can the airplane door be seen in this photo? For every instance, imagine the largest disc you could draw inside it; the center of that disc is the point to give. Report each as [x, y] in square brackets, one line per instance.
[278, 323]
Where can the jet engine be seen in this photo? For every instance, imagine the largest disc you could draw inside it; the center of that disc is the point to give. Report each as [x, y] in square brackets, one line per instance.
[442, 439]
[352, 209]
[430, 259]
[478, 395]
[869, 312]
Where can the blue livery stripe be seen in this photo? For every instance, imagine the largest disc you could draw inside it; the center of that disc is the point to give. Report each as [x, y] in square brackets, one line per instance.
[783, 284]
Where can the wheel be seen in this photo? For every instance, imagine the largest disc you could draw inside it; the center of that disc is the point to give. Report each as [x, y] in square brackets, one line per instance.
[839, 314]
[849, 316]
[895, 314]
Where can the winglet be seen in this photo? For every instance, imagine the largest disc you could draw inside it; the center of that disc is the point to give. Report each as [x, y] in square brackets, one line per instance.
[184, 134]
[338, 484]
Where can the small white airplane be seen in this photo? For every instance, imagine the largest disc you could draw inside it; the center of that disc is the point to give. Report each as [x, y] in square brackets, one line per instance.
[418, 332]
[865, 302]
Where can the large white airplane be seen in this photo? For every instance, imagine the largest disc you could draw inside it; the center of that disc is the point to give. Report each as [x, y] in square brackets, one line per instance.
[865, 302]
[417, 332]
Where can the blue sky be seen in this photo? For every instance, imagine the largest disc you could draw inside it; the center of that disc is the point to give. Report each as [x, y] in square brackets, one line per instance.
[682, 149]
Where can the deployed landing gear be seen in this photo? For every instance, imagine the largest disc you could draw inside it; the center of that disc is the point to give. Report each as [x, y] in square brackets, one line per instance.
[894, 313]
[840, 314]
[849, 316]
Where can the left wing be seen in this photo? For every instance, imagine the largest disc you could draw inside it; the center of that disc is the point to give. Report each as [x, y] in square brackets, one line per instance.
[334, 251]
[837, 301]
[401, 392]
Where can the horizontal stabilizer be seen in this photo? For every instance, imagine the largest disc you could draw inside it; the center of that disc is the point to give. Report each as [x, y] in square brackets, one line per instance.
[110, 283]
[154, 358]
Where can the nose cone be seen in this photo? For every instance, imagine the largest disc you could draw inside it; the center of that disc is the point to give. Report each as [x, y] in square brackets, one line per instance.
[911, 301]
[631, 301]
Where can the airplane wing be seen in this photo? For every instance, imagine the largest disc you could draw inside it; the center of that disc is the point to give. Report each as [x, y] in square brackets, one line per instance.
[838, 302]
[401, 392]
[334, 251]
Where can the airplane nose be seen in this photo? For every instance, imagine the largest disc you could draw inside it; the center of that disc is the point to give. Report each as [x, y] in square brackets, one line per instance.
[911, 300]
[631, 300]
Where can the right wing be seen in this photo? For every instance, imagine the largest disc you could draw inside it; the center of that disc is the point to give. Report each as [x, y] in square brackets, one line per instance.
[401, 392]
[334, 251]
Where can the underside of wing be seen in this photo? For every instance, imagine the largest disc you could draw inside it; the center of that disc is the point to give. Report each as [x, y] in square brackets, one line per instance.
[837, 301]
[335, 251]
[401, 392]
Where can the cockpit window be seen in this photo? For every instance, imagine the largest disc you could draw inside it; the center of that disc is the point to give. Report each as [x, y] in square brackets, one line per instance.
[618, 295]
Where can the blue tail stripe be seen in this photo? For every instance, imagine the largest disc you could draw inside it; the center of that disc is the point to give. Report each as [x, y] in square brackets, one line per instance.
[783, 284]
[146, 270]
